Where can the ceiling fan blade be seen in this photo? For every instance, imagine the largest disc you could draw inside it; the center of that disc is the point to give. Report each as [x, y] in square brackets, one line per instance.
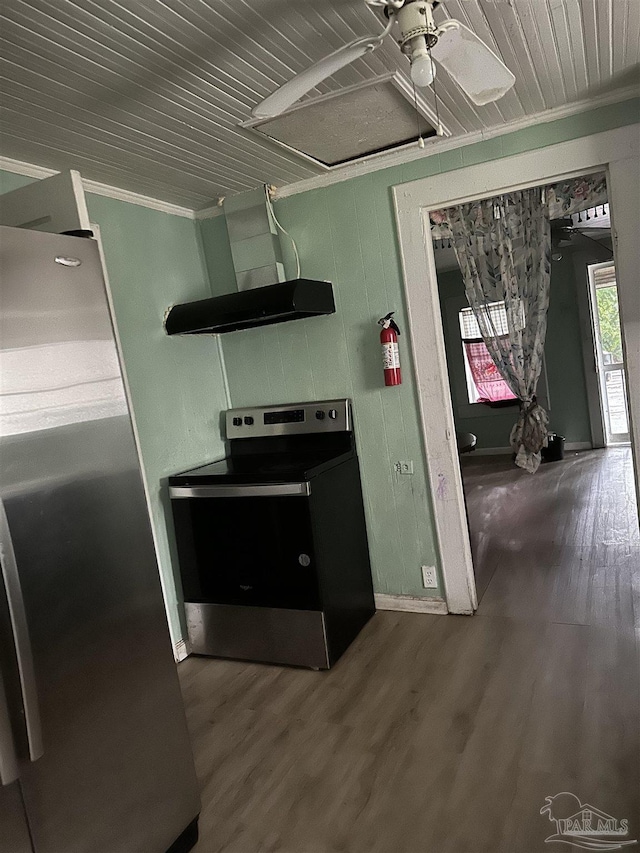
[308, 79]
[596, 231]
[481, 74]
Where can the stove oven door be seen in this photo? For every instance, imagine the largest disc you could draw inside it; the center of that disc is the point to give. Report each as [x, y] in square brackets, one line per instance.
[246, 545]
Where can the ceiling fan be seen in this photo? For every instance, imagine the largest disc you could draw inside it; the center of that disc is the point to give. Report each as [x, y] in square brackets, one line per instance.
[563, 232]
[474, 66]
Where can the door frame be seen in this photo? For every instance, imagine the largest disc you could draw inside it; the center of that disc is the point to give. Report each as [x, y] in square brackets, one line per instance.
[581, 262]
[597, 348]
[614, 152]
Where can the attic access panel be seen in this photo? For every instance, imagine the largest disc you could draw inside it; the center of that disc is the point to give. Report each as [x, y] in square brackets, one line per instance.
[348, 125]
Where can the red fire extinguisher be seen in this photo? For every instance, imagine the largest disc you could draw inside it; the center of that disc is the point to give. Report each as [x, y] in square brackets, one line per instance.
[390, 354]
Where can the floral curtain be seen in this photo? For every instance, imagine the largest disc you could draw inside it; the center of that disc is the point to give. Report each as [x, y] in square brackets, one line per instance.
[503, 247]
[564, 199]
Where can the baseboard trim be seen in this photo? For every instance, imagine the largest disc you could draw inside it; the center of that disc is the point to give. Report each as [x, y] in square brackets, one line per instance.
[502, 451]
[410, 603]
[180, 650]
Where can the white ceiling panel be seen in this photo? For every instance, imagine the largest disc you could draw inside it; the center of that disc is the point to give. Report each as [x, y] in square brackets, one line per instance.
[148, 95]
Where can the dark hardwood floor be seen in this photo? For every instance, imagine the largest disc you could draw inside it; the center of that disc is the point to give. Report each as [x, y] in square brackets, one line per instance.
[445, 734]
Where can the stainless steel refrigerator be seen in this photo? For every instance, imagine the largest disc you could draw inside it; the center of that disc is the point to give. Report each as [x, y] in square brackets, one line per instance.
[94, 749]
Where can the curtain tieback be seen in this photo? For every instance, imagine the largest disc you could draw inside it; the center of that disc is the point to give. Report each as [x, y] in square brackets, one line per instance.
[530, 432]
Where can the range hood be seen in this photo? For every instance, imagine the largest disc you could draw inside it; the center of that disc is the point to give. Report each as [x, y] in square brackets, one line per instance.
[262, 296]
[247, 309]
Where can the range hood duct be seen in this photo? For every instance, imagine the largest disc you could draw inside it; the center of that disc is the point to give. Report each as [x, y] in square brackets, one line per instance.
[247, 309]
[254, 240]
[262, 297]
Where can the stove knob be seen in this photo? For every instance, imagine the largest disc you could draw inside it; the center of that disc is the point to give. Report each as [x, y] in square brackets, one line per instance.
[248, 420]
[237, 421]
[333, 414]
[320, 415]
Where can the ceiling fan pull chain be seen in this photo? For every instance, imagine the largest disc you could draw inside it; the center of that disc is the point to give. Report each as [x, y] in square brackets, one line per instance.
[415, 104]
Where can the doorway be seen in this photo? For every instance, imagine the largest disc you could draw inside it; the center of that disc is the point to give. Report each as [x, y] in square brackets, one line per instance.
[607, 151]
[504, 504]
[609, 355]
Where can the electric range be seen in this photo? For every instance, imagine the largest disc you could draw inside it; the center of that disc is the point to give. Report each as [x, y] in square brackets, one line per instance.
[272, 541]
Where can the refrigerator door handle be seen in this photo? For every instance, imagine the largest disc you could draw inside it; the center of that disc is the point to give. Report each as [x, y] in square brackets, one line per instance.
[8, 759]
[21, 640]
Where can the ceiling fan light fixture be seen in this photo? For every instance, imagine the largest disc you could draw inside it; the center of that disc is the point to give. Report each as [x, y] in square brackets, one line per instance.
[423, 69]
[417, 36]
[415, 21]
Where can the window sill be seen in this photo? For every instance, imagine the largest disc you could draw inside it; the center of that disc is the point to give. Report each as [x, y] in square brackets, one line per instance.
[482, 410]
[499, 404]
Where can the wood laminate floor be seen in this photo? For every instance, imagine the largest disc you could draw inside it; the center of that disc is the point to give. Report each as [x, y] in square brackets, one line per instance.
[567, 522]
[445, 734]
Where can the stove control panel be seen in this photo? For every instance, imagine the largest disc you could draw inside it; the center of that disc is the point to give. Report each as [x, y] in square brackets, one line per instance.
[286, 416]
[290, 419]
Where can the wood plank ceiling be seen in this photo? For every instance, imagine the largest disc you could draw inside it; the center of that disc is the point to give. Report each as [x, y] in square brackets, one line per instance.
[147, 95]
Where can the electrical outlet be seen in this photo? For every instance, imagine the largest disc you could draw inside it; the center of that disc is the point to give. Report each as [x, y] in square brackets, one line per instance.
[404, 467]
[429, 579]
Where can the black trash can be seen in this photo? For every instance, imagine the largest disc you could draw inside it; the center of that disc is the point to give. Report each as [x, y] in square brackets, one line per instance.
[554, 451]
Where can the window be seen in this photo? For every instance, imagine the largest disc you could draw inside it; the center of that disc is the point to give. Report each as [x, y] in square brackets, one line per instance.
[484, 381]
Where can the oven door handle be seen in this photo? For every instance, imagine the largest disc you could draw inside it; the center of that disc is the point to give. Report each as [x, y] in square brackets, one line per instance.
[242, 491]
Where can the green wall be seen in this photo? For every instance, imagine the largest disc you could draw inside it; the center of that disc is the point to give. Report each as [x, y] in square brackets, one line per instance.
[9, 181]
[346, 233]
[340, 234]
[568, 412]
[177, 387]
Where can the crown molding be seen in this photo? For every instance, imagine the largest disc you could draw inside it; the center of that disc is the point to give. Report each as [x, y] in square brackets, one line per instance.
[136, 198]
[18, 167]
[436, 145]
[208, 212]
[29, 170]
